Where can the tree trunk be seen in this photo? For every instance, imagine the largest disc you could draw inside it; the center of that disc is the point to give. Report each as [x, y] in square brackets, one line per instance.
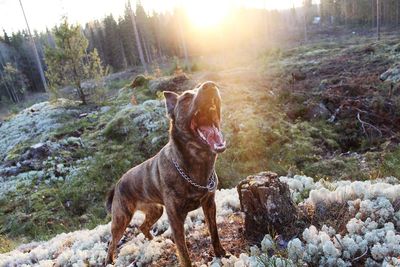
[125, 63]
[373, 13]
[138, 44]
[81, 94]
[305, 24]
[184, 47]
[10, 95]
[35, 52]
[378, 19]
[146, 51]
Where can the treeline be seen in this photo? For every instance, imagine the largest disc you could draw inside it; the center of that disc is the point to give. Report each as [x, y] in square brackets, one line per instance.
[360, 12]
[166, 35]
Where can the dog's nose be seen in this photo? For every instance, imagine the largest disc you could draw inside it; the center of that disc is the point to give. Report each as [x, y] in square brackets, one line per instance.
[208, 89]
[209, 86]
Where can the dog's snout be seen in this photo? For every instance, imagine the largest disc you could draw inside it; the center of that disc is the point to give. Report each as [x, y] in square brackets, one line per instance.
[208, 87]
[208, 90]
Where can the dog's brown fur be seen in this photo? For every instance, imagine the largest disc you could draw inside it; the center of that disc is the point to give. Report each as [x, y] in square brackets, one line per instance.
[156, 183]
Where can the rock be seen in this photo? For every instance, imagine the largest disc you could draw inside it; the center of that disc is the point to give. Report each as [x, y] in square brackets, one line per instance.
[267, 205]
[317, 111]
[84, 218]
[73, 141]
[392, 75]
[37, 151]
[105, 109]
[82, 115]
[323, 85]
[147, 119]
[176, 83]
[9, 171]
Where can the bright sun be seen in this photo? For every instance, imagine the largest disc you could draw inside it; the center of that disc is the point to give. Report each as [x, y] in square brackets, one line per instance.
[207, 13]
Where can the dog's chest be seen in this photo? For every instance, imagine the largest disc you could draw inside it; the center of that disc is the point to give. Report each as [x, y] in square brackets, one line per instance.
[192, 201]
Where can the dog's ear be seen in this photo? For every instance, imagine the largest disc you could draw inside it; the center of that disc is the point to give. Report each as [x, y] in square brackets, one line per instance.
[170, 100]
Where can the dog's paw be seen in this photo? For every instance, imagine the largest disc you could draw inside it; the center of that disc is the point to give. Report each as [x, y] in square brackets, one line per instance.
[220, 253]
[227, 255]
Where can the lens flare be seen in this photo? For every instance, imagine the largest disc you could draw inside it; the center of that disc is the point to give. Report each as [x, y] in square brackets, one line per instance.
[207, 13]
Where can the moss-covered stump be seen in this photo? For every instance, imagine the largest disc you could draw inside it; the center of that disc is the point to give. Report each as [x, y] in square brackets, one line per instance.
[268, 207]
[140, 80]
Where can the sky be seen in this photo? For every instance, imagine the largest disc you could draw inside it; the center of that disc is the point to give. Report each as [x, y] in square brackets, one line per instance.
[47, 13]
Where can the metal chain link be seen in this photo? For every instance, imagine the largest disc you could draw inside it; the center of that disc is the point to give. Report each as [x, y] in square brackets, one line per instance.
[211, 185]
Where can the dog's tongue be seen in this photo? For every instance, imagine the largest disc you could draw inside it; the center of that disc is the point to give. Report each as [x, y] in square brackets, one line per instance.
[213, 137]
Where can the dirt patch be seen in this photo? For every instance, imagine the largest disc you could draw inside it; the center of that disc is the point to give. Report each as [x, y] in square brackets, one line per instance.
[199, 246]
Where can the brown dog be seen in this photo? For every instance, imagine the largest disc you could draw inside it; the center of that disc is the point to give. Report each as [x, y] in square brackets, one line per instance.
[180, 177]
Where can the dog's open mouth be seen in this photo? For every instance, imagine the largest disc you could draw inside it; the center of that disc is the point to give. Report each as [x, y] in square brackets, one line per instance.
[206, 128]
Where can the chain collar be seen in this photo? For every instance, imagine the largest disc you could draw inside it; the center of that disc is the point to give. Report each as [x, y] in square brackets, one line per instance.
[211, 185]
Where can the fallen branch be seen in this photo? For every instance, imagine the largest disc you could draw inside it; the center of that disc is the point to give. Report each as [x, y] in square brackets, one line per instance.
[363, 123]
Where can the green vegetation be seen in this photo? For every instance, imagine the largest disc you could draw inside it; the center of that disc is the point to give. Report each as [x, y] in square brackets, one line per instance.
[68, 64]
[113, 143]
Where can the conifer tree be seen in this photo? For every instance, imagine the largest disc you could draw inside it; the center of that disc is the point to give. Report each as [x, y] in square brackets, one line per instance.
[68, 63]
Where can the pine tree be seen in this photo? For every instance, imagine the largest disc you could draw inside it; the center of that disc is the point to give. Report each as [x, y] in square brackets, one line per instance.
[6, 39]
[127, 35]
[14, 82]
[67, 63]
[137, 39]
[114, 51]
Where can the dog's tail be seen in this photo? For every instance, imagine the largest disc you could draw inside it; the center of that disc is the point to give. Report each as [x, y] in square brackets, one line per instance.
[109, 200]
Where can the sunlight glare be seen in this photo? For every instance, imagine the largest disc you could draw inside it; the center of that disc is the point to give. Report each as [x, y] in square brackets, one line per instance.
[207, 13]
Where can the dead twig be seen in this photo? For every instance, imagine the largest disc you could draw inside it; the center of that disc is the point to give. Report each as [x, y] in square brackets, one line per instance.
[364, 123]
[361, 256]
[340, 243]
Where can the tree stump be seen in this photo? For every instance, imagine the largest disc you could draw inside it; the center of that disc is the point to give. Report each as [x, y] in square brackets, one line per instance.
[268, 207]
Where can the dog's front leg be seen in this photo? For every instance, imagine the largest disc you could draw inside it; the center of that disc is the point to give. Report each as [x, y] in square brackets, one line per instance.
[176, 219]
[210, 211]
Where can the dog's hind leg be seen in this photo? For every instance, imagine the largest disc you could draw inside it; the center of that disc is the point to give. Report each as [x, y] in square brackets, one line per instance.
[120, 220]
[153, 212]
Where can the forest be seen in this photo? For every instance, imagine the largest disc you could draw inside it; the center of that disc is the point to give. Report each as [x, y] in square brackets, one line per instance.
[310, 104]
[163, 36]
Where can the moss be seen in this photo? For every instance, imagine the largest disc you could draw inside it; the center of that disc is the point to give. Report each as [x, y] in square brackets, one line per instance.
[391, 163]
[36, 214]
[19, 149]
[74, 127]
[336, 169]
[141, 81]
[6, 244]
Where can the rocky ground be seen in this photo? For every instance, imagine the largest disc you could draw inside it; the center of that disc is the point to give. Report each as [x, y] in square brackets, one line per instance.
[366, 234]
[319, 110]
